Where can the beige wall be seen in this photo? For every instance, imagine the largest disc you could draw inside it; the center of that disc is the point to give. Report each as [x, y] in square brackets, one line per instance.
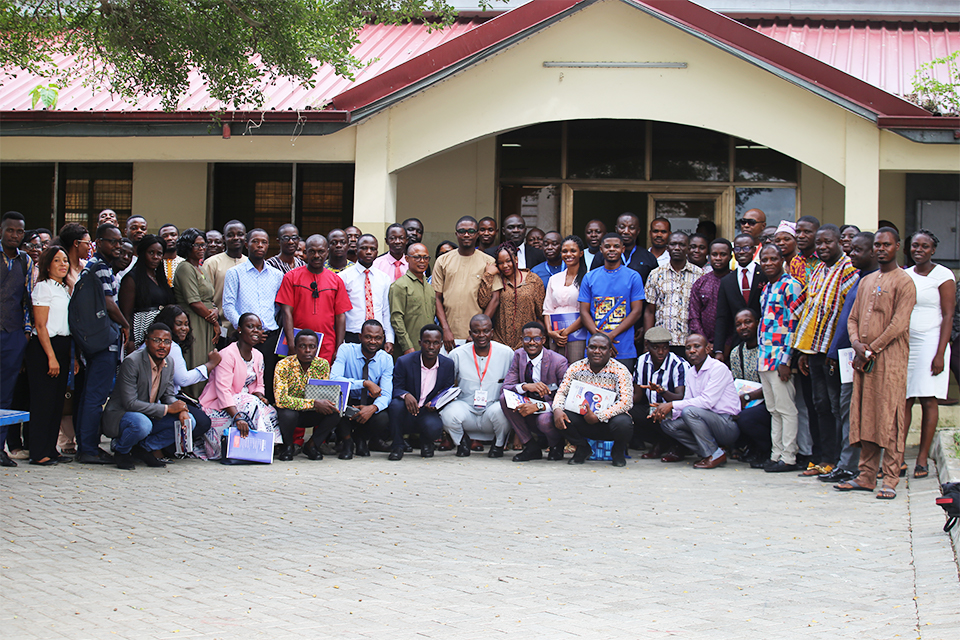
[821, 196]
[893, 198]
[174, 192]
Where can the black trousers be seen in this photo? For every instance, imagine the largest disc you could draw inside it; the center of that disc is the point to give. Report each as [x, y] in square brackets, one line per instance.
[648, 430]
[288, 420]
[378, 426]
[619, 429]
[47, 395]
[268, 349]
[754, 424]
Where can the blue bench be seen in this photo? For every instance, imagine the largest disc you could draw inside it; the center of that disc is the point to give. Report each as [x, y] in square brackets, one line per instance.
[10, 416]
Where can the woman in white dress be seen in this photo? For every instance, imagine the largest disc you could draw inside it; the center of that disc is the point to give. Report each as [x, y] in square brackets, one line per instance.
[563, 290]
[930, 325]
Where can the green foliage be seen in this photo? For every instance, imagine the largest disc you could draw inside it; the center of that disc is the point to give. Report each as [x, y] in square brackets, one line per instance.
[935, 96]
[48, 95]
[240, 47]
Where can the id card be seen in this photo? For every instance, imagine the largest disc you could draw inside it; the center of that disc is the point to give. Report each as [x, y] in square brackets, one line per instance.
[480, 399]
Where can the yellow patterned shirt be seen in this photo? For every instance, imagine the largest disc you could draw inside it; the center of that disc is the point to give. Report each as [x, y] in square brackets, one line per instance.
[290, 382]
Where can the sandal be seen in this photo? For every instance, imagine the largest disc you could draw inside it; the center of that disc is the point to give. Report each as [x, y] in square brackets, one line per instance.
[903, 470]
[886, 494]
[921, 471]
[69, 452]
[850, 485]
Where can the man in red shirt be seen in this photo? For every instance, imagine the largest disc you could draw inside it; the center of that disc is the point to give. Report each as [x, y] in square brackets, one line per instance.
[312, 297]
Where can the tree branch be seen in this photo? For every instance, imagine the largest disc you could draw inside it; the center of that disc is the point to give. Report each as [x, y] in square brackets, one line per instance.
[250, 21]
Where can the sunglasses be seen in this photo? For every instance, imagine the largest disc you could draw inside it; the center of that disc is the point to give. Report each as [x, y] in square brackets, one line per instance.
[748, 222]
[467, 232]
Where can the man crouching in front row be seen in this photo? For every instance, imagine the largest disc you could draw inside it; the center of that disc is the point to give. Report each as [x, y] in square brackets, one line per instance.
[597, 418]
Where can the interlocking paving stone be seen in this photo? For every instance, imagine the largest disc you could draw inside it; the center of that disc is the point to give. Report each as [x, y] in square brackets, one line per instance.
[466, 548]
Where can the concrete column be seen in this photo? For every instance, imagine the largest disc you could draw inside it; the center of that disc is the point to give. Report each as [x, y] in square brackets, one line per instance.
[862, 173]
[375, 188]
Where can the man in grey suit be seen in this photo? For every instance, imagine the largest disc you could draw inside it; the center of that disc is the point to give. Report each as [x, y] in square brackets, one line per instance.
[142, 408]
[535, 373]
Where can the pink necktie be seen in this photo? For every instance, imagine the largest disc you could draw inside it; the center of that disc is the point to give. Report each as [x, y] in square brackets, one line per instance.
[368, 296]
[397, 271]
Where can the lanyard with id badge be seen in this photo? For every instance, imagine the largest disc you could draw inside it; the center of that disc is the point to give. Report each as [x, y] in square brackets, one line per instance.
[480, 395]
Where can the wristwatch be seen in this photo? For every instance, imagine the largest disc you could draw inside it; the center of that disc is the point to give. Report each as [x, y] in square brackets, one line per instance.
[746, 397]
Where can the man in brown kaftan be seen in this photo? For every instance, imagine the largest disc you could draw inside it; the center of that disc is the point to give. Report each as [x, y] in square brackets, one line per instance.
[879, 326]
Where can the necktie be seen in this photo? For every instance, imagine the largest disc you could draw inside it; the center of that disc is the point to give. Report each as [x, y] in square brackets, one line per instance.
[368, 296]
[397, 271]
[528, 374]
[745, 287]
[364, 396]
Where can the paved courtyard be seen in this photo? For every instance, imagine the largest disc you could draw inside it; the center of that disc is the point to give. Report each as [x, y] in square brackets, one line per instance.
[466, 548]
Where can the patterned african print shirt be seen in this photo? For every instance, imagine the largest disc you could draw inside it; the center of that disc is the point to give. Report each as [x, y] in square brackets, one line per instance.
[290, 382]
[826, 291]
[669, 289]
[614, 376]
[801, 267]
[779, 313]
[326, 265]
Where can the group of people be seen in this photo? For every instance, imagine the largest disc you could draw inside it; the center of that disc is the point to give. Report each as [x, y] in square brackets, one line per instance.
[766, 348]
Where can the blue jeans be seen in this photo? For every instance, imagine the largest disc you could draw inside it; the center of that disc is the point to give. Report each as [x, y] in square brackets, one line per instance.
[136, 428]
[101, 373]
[13, 345]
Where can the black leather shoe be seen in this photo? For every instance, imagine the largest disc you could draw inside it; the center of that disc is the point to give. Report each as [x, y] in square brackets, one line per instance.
[125, 462]
[761, 464]
[618, 458]
[495, 452]
[100, 457]
[837, 475]
[426, 451]
[347, 453]
[147, 457]
[379, 445]
[407, 448]
[286, 455]
[49, 462]
[396, 454]
[463, 451]
[363, 449]
[581, 454]
[555, 453]
[780, 466]
[531, 451]
[311, 451]
[5, 460]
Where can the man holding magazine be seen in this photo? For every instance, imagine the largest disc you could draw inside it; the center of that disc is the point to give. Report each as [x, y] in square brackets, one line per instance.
[534, 375]
[593, 402]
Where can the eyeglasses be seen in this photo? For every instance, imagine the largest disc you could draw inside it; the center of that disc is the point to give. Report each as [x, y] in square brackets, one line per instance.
[165, 343]
[418, 258]
[743, 249]
[534, 339]
[289, 238]
[467, 232]
[199, 245]
[748, 222]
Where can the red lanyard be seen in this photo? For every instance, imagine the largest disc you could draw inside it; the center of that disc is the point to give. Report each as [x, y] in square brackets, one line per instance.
[477, 364]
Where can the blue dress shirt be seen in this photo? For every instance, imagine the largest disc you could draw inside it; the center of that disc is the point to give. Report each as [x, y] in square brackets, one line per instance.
[348, 366]
[246, 290]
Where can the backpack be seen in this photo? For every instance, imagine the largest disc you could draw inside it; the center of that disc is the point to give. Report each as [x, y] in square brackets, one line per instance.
[950, 503]
[92, 328]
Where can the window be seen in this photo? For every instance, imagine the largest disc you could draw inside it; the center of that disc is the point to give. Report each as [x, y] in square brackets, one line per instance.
[28, 188]
[87, 189]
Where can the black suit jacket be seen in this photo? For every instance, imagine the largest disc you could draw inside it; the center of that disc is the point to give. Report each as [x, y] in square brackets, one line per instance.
[533, 255]
[406, 376]
[642, 261]
[730, 303]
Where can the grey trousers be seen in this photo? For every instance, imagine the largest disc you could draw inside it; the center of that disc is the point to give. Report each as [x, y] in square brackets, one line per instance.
[849, 456]
[458, 417]
[702, 430]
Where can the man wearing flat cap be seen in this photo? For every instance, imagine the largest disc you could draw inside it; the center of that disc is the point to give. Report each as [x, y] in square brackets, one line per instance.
[660, 377]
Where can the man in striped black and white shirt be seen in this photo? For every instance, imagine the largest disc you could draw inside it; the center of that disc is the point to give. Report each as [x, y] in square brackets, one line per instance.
[660, 377]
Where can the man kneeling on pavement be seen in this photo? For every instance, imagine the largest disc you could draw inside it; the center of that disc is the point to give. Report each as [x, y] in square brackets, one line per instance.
[704, 419]
[142, 409]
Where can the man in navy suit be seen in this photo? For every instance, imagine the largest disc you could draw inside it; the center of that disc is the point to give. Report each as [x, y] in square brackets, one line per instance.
[417, 378]
[536, 373]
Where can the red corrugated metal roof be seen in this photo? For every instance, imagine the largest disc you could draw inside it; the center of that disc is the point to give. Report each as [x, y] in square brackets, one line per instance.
[385, 45]
[884, 54]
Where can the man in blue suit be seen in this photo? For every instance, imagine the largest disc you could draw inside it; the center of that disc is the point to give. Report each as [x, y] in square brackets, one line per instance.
[417, 378]
[534, 373]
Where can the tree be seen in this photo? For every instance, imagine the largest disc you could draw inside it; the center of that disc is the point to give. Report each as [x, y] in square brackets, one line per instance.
[239, 47]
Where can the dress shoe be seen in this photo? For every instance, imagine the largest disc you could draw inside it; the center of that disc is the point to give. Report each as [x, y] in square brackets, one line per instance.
[147, 457]
[5, 460]
[379, 445]
[327, 448]
[711, 463]
[445, 443]
[125, 461]
[407, 447]
[49, 462]
[286, 455]
[63, 459]
[396, 454]
[654, 453]
[555, 453]
[581, 454]
[426, 451]
[476, 445]
[495, 452]
[311, 451]
[531, 451]
[20, 454]
[347, 450]
[672, 456]
[780, 466]
[463, 451]
[837, 475]
[618, 457]
[363, 449]
[761, 464]
[100, 457]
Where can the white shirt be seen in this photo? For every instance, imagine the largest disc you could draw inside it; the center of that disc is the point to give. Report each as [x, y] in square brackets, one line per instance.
[589, 256]
[133, 263]
[521, 256]
[536, 371]
[664, 258]
[354, 278]
[48, 293]
[750, 269]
